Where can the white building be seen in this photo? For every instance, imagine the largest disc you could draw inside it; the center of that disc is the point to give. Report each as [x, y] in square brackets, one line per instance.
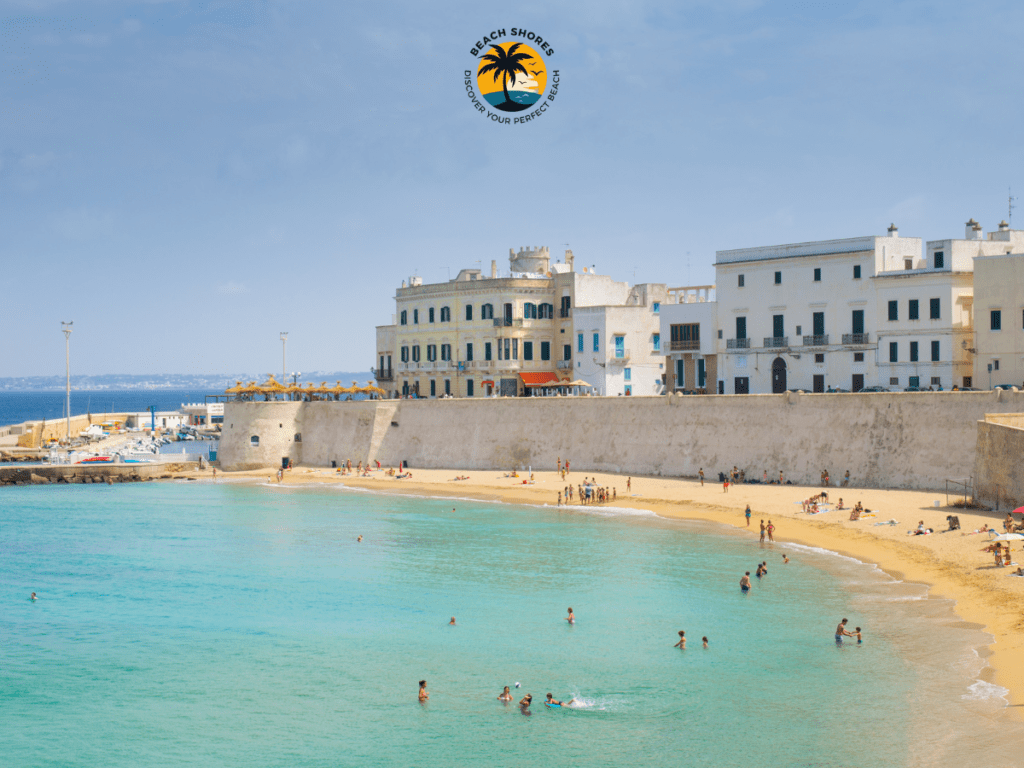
[519, 333]
[998, 347]
[204, 415]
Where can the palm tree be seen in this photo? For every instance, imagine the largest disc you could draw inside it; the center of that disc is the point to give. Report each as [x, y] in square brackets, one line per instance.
[505, 64]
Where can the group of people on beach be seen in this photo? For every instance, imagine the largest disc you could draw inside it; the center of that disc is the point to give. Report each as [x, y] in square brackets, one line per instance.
[589, 492]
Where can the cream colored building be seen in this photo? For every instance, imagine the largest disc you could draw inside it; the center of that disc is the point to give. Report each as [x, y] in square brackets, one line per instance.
[515, 333]
[689, 338]
[999, 306]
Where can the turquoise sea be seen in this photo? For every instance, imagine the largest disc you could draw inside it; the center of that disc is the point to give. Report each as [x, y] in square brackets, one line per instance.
[243, 625]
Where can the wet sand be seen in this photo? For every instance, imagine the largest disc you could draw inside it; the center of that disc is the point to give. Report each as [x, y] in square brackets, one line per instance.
[950, 562]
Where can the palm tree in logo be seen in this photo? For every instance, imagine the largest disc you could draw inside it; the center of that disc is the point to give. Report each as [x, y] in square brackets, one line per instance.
[505, 64]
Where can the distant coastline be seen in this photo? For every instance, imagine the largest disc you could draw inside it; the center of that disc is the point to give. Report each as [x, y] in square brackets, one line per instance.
[158, 381]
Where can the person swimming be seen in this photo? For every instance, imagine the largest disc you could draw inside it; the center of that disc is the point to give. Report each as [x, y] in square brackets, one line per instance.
[705, 641]
[505, 695]
[452, 622]
[552, 702]
[359, 538]
[33, 598]
[571, 618]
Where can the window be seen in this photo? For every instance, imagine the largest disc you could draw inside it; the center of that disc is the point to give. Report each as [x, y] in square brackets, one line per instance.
[446, 314]
[656, 307]
[819, 382]
[545, 350]
[778, 278]
[447, 386]
[527, 350]
[940, 259]
[529, 311]
[684, 336]
[817, 274]
[469, 351]
[567, 352]
[627, 374]
[416, 353]
[433, 388]
[515, 349]
[628, 390]
[469, 311]
[486, 311]
[893, 351]
[446, 351]
[566, 306]
[856, 271]
[914, 381]
[508, 313]
[819, 358]
[936, 381]
[740, 281]
[894, 381]
[858, 357]
[995, 365]
[894, 310]
[799, 330]
[487, 350]
[913, 310]
[415, 317]
[620, 347]
[778, 326]
[908, 263]
[857, 321]
[597, 342]
[405, 317]
[719, 333]
[935, 352]
[913, 351]
[858, 382]
[547, 311]
[430, 315]
[431, 352]
[579, 342]
[657, 342]
[741, 327]
[254, 441]
[935, 309]
[996, 320]
[504, 349]
[469, 387]
[819, 323]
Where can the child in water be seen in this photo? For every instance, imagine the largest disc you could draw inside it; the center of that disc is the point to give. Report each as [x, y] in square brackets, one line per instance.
[856, 634]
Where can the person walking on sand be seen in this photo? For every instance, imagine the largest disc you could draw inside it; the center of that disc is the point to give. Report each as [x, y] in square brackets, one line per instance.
[841, 632]
[701, 475]
[629, 484]
[746, 514]
[780, 477]
[762, 531]
[423, 691]
[681, 645]
[771, 531]
[725, 485]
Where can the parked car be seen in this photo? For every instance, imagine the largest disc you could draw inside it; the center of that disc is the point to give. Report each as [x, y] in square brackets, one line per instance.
[837, 390]
[969, 389]
[1004, 386]
[875, 388]
[914, 389]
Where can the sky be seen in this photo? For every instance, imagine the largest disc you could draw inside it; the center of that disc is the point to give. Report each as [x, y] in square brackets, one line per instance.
[185, 180]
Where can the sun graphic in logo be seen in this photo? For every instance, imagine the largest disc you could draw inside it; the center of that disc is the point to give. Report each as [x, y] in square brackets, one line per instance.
[511, 76]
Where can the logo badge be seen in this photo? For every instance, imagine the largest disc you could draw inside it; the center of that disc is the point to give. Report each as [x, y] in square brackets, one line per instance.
[511, 83]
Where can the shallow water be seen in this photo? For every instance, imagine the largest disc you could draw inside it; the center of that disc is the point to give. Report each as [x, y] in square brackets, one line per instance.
[203, 624]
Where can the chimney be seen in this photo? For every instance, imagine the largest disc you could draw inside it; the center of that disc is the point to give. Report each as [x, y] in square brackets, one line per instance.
[494, 267]
[972, 230]
[568, 259]
[1003, 226]
[403, 283]
[893, 231]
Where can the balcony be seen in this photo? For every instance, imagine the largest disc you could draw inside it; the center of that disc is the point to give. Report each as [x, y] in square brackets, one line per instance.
[856, 338]
[684, 346]
[737, 343]
[621, 359]
[383, 374]
[563, 364]
[776, 342]
[565, 313]
[508, 322]
[816, 341]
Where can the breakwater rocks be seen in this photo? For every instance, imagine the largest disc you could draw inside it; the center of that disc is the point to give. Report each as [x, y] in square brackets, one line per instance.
[80, 474]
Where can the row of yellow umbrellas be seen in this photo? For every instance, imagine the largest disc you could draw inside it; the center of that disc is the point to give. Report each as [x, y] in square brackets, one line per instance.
[273, 387]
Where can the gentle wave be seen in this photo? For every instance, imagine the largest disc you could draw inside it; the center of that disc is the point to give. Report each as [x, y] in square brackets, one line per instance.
[982, 691]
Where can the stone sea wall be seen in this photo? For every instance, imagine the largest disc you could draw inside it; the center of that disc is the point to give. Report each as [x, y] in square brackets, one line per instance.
[1000, 461]
[897, 440]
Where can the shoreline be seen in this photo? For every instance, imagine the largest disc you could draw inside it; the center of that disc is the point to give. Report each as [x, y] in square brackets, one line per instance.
[950, 564]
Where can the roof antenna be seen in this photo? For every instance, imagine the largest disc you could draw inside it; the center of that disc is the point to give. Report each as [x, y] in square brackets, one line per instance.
[1009, 213]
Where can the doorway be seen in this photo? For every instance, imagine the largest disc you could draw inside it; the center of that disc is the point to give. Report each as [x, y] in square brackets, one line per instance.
[778, 376]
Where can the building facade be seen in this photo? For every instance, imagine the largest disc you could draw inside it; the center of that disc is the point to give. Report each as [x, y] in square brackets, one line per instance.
[998, 347]
[689, 338]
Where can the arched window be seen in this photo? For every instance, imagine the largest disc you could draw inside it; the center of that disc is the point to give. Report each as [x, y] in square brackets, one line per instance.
[405, 317]
[486, 311]
[446, 314]
[254, 441]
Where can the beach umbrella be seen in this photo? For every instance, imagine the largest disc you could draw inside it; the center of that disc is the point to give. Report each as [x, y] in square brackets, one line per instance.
[1019, 511]
[1009, 537]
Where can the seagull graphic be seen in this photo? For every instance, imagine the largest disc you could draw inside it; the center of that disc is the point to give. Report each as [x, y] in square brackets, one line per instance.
[536, 71]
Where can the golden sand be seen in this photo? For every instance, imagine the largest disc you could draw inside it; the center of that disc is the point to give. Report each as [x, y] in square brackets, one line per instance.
[950, 562]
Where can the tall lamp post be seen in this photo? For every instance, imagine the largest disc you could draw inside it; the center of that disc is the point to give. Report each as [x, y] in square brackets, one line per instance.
[284, 357]
[66, 328]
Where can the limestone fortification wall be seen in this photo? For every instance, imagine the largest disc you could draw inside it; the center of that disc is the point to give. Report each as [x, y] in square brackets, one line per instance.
[999, 461]
[35, 433]
[898, 440]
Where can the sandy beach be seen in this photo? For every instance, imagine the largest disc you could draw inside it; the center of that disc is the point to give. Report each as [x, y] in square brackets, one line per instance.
[951, 563]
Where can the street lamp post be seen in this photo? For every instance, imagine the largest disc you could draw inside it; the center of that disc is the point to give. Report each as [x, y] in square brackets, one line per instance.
[66, 328]
[284, 356]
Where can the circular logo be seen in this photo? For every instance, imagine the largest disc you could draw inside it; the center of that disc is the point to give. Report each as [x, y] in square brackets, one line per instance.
[511, 76]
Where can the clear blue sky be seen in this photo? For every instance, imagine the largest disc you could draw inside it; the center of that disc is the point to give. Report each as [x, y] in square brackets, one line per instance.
[186, 179]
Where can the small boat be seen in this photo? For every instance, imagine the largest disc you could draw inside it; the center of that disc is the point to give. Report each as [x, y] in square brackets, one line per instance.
[96, 460]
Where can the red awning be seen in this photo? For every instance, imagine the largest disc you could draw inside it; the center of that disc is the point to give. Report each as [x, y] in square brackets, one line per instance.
[543, 379]
[487, 381]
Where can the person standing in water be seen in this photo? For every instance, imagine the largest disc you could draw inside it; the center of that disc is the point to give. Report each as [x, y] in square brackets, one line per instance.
[452, 622]
[571, 618]
[423, 691]
[505, 695]
[524, 704]
[33, 598]
[762, 531]
[705, 642]
[681, 645]
[841, 632]
[771, 531]
[745, 582]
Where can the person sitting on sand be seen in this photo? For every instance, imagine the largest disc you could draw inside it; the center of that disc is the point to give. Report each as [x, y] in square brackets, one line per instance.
[840, 505]
[505, 695]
